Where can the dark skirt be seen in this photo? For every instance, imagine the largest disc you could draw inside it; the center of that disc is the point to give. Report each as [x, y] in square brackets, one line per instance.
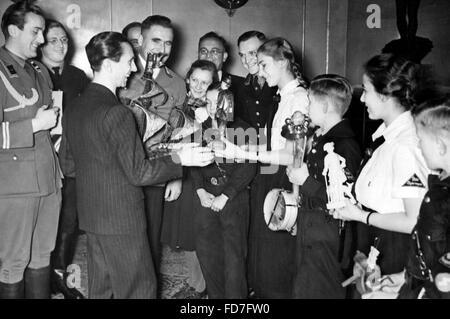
[271, 255]
[393, 247]
[178, 219]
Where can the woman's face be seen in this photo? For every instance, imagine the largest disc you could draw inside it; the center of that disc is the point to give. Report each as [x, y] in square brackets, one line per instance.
[56, 45]
[199, 81]
[270, 69]
[211, 102]
[373, 100]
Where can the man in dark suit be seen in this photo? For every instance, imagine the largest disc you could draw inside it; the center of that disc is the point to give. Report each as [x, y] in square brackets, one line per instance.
[101, 140]
[157, 37]
[213, 47]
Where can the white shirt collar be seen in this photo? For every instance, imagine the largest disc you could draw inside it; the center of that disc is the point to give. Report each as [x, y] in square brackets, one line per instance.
[397, 126]
[219, 74]
[289, 87]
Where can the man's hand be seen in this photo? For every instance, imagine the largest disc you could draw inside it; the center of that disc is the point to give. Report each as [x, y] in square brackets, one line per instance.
[299, 175]
[45, 118]
[193, 155]
[173, 190]
[230, 151]
[219, 202]
[206, 198]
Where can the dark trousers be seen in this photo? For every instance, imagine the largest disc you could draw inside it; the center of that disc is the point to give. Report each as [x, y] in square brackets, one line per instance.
[154, 204]
[120, 267]
[318, 273]
[221, 246]
[67, 236]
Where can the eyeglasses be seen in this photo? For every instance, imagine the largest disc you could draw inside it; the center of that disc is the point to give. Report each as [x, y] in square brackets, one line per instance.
[55, 41]
[214, 52]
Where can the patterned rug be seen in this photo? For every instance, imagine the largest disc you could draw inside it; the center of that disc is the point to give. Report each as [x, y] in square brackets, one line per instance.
[173, 277]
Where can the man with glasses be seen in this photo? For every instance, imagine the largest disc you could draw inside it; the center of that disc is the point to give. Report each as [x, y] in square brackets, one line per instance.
[71, 81]
[212, 47]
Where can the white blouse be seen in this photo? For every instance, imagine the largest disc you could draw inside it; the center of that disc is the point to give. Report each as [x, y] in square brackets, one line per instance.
[293, 98]
[396, 170]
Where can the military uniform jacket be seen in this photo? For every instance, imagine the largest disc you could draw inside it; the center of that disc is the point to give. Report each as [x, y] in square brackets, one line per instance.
[430, 238]
[28, 162]
[254, 103]
[167, 79]
[101, 142]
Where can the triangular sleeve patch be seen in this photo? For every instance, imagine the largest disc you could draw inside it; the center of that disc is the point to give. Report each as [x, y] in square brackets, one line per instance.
[414, 181]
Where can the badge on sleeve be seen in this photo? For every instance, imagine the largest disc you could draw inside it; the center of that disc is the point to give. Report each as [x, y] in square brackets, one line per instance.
[414, 181]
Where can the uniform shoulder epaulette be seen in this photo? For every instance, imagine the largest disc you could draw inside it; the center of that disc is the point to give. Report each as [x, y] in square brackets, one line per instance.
[9, 69]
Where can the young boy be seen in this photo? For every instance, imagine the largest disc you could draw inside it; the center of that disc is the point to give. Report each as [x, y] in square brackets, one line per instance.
[428, 269]
[321, 257]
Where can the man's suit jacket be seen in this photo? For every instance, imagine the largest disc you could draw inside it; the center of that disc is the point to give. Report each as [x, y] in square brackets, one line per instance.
[167, 79]
[100, 136]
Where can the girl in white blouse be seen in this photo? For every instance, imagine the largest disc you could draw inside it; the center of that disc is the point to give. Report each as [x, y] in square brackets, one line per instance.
[271, 261]
[391, 185]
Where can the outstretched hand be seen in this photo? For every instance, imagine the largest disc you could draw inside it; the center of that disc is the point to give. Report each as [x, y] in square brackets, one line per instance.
[230, 151]
[193, 155]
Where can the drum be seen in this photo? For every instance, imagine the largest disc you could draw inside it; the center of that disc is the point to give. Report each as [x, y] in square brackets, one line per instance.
[280, 210]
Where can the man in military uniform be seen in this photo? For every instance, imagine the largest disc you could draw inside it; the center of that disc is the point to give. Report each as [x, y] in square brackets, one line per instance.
[254, 97]
[29, 172]
[157, 37]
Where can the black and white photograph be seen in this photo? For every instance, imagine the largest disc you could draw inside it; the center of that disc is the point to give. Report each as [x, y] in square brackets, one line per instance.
[247, 151]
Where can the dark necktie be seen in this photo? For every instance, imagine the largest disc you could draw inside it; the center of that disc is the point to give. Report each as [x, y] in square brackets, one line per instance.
[369, 152]
[257, 81]
[56, 78]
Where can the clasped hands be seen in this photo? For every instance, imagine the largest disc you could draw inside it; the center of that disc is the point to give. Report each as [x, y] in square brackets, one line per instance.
[208, 200]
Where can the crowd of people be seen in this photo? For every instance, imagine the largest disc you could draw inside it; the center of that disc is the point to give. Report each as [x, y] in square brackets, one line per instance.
[206, 194]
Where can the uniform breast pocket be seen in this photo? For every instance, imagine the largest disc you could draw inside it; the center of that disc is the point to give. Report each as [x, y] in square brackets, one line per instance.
[18, 174]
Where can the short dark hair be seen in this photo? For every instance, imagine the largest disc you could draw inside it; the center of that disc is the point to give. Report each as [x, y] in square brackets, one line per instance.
[335, 88]
[50, 24]
[251, 34]
[129, 26]
[214, 35]
[150, 21]
[15, 15]
[105, 45]
[204, 65]
[393, 76]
